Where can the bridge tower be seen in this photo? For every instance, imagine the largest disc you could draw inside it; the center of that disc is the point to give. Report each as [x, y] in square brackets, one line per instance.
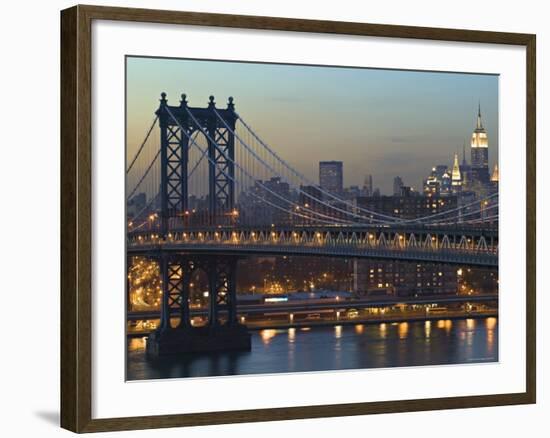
[177, 124]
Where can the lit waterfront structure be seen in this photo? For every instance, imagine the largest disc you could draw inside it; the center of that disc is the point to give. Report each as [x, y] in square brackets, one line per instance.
[331, 176]
[144, 284]
[289, 274]
[405, 279]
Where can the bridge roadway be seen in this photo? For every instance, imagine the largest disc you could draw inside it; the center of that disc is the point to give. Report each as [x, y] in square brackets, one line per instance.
[474, 246]
[295, 306]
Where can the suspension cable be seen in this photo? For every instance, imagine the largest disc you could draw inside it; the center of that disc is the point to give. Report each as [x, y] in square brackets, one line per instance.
[348, 213]
[144, 175]
[308, 181]
[142, 144]
[246, 173]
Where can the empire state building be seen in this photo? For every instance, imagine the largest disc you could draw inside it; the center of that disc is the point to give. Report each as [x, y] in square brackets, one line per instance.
[480, 152]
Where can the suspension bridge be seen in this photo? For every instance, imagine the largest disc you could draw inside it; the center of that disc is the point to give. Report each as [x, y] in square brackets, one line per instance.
[212, 190]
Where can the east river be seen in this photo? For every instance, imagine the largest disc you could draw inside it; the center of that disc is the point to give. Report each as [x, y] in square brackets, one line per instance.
[332, 348]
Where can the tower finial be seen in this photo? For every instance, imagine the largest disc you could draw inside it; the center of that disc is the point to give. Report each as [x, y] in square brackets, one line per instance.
[183, 101]
[479, 124]
[455, 173]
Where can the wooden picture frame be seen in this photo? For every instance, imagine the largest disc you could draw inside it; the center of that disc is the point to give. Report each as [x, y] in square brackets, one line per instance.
[76, 217]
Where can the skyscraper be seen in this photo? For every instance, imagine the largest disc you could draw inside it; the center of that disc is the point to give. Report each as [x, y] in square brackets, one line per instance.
[331, 176]
[465, 168]
[367, 186]
[456, 179]
[480, 152]
[397, 184]
[495, 176]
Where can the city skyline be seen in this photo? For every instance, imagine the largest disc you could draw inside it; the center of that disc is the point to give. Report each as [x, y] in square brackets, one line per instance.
[244, 233]
[381, 119]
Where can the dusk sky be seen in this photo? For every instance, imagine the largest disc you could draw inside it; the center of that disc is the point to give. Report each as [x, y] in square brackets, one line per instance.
[379, 122]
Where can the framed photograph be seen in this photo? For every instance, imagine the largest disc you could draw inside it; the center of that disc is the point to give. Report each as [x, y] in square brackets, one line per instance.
[268, 218]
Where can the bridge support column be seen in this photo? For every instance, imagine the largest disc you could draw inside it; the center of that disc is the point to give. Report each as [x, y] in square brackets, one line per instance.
[128, 285]
[165, 305]
[222, 276]
[175, 291]
[184, 301]
[212, 295]
[214, 336]
[232, 295]
[355, 276]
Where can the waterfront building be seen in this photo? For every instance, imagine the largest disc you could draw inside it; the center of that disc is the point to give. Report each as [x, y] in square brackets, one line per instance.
[405, 279]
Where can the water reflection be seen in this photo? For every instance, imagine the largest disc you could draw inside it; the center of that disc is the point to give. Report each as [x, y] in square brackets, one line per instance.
[383, 330]
[427, 329]
[331, 348]
[137, 344]
[291, 335]
[491, 325]
[267, 335]
[403, 330]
